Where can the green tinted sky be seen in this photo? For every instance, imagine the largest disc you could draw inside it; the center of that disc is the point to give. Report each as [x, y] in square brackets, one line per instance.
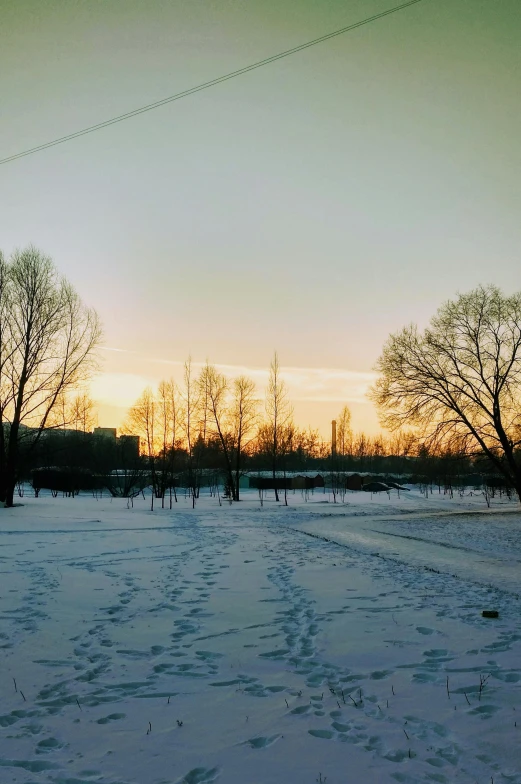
[312, 206]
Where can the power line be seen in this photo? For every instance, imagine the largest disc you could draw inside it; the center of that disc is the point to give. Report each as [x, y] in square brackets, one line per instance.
[206, 85]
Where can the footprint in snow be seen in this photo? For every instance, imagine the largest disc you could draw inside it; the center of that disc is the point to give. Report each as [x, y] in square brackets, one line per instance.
[33, 766]
[262, 742]
[485, 711]
[325, 734]
[111, 717]
[46, 745]
[208, 655]
[301, 709]
[424, 677]
[200, 776]
[378, 675]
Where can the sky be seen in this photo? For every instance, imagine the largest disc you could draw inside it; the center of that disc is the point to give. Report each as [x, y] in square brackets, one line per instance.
[312, 207]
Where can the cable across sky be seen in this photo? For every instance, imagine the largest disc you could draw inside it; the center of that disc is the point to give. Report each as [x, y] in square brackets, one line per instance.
[205, 85]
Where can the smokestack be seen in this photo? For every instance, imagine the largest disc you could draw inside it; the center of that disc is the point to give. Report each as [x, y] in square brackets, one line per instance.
[333, 437]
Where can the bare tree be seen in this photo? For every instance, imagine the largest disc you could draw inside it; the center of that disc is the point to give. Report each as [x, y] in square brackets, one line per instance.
[361, 450]
[7, 347]
[286, 443]
[377, 449]
[83, 415]
[142, 420]
[459, 382]
[344, 434]
[155, 418]
[47, 347]
[214, 389]
[167, 401]
[243, 416]
[402, 446]
[232, 413]
[278, 413]
[192, 420]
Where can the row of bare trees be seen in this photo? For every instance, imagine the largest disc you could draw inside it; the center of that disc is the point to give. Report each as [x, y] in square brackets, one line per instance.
[180, 424]
[453, 389]
[176, 422]
[211, 421]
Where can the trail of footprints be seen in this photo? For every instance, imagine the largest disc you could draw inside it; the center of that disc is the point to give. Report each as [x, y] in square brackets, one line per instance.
[325, 704]
[92, 660]
[357, 713]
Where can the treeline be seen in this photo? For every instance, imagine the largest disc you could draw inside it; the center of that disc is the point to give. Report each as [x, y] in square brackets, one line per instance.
[210, 430]
[68, 462]
[213, 423]
[457, 384]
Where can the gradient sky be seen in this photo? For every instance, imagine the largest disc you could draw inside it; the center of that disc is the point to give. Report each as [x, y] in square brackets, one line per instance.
[312, 206]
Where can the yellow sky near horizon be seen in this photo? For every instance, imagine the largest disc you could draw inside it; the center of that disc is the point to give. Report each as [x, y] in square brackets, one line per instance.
[316, 394]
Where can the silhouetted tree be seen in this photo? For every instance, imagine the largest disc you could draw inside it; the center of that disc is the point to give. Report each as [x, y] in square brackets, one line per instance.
[168, 415]
[142, 420]
[243, 419]
[193, 421]
[278, 415]
[344, 435]
[459, 382]
[47, 347]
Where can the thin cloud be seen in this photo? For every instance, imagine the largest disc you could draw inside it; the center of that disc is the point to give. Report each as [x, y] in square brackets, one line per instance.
[118, 350]
[305, 384]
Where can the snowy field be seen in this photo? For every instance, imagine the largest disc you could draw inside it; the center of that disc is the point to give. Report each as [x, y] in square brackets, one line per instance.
[319, 642]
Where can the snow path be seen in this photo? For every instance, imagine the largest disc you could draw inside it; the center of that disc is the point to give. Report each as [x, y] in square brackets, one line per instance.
[478, 553]
[226, 643]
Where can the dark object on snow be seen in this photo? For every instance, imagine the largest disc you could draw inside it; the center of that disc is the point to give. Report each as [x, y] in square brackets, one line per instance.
[65, 480]
[306, 482]
[354, 482]
[396, 486]
[286, 483]
[490, 614]
[375, 487]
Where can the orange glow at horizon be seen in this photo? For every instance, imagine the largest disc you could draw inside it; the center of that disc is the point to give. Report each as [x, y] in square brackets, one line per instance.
[316, 394]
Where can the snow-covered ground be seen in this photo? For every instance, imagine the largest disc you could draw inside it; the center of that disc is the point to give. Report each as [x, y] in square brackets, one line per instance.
[320, 642]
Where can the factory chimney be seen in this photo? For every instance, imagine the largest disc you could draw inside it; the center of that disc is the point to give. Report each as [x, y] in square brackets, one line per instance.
[333, 437]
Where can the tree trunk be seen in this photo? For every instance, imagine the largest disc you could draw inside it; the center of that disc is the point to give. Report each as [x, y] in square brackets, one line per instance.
[517, 484]
[9, 485]
[3, 466]
[237, 481]
[9, 482]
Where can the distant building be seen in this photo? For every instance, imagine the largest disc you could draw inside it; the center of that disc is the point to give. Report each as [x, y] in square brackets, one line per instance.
[128, 445]
[105, 432]
[301, 482]
[289, 482]
[354, 482]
